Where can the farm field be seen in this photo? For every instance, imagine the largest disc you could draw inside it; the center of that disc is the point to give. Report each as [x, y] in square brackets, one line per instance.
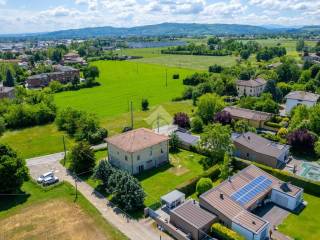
[305, 225]
[122, 82]
[52, 214]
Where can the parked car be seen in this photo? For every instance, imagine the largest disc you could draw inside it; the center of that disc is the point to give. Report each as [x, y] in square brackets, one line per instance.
[45, 175]
[50, 180]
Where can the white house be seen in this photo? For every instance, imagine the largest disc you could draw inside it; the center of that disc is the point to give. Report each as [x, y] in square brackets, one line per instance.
[300, 97]
[138, 150]
[253, 87]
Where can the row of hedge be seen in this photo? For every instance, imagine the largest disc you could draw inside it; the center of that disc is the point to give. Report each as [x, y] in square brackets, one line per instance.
[273, 125]
[221, 232]
[189, 187]
[309, 186]
[206, 53]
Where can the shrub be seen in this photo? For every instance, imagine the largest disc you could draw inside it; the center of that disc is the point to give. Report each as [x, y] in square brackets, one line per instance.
[195, 79]
[225, 233]
[145, 104]
[203, 185]
[197, 124]
[182, 120]
[2, 125]
[215, 68]
[301, 140]
[273, 124]
[176, 76]
[174, 143]
[223, 117]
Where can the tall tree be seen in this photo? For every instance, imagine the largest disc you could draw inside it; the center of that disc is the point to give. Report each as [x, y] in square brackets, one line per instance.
[13, 170]
[82, 158]
[225, 167]
[300, 45]
[208, 106]
[9, 81]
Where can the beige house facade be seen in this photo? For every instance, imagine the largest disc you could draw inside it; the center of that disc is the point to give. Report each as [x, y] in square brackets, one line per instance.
[252, 87]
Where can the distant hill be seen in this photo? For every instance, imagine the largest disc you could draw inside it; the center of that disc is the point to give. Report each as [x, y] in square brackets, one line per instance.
[164, 29]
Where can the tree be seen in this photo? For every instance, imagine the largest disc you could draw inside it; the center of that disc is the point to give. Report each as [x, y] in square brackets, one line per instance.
[315, 69]
[2, 126]
[91, 72]
[288, 71]
[197, 124]
[299, 116]
[225, 167]
[245, 54]
[300, 45]
[245, 75]
[203, 185]
[182, 120]
[208, 106]
[223, 117]
[9, 81]
[215, 68]
[174, 143]
[302, 141]
[75, 81]
[128, 194]
[144, 104]
[317, 148]
[82, 158]
[13, 170]
[314, 117]
[272, 88]
[103, 172]
[216, 141]
[242, 126]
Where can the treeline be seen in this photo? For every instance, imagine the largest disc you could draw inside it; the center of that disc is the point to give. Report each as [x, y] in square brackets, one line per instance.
[29, 108]
[267, 53]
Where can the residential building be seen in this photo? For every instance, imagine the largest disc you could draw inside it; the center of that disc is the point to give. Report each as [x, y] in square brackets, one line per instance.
[252, 87]
[138, 150]
[255, 148]
[234, 200]
[313, 57]
[6, 92]
[190, 218]
[300, 97]
[63, 74]
[173, 199]
[187, 140]
[256, 119]
[73, 58]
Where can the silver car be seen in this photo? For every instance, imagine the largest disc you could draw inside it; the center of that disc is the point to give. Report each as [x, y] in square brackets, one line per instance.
[50, 180]
[45, 175]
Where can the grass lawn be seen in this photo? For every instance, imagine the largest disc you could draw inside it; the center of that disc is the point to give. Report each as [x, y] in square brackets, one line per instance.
[43, 140]
[122, 82]
[52, 213]
[304, 226]
[157, 182]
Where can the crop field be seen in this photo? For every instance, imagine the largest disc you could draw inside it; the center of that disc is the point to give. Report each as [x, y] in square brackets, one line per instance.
[52, 214]
[122, 82]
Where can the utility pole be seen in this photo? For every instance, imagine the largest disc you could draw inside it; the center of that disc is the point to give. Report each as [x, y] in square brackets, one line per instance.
[166, 77]
[65, 151]
[131, 110]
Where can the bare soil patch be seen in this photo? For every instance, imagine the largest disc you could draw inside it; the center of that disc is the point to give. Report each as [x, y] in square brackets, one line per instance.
[57, 219]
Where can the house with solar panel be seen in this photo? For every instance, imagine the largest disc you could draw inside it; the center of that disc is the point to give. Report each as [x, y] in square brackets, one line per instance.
[251, 146]
[234, 200]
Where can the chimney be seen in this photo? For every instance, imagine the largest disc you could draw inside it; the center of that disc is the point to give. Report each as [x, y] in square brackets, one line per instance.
[229, 179]
[221, 196]
[253, 222]
[249, 138]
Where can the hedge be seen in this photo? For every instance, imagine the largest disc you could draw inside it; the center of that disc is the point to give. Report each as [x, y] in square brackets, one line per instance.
[273, 124]
[309, 186]
[224, 233]
[189, 187]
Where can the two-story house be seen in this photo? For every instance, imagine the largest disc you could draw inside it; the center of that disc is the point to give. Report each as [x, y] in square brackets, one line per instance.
[252, 87]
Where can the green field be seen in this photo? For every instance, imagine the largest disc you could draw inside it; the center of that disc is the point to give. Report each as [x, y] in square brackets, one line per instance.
[76, 217]
[306, 224]
[122, 82]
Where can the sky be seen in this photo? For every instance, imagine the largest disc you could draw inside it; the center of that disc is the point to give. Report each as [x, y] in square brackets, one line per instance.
[25, 16]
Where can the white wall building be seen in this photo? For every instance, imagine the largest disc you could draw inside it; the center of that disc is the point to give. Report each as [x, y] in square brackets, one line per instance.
[138, 150]
[253, 87]
[300, 97]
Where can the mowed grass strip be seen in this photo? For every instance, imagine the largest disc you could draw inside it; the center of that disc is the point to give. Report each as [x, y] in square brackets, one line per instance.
[52, 214]
[122, 82]
[306, 224]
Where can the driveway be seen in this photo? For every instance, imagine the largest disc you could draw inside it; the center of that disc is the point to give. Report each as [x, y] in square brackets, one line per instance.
[133, 229]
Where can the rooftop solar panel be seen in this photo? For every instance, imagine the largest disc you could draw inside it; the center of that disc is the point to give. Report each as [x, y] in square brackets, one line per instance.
[251, 190]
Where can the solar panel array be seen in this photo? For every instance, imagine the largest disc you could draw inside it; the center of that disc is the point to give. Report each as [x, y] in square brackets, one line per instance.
[251, 190]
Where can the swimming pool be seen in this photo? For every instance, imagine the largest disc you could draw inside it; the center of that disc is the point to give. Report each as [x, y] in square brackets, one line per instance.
[310, 171]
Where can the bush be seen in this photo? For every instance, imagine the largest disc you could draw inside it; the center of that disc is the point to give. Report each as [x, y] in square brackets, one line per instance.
[182, 120]
[301, 140]
[2, 126]
[145, 104]
[189, 187]
[225, 233]
[273, 124]
[195, 79]
[223, 117]
[215, 68]
[174, 143]
[176, 76]
[197, 124]
[203, 185]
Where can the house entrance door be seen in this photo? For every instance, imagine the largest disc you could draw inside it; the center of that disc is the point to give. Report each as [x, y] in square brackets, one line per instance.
[141, 168]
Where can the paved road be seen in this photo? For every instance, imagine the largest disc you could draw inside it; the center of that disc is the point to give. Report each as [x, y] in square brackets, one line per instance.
[133, 229]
